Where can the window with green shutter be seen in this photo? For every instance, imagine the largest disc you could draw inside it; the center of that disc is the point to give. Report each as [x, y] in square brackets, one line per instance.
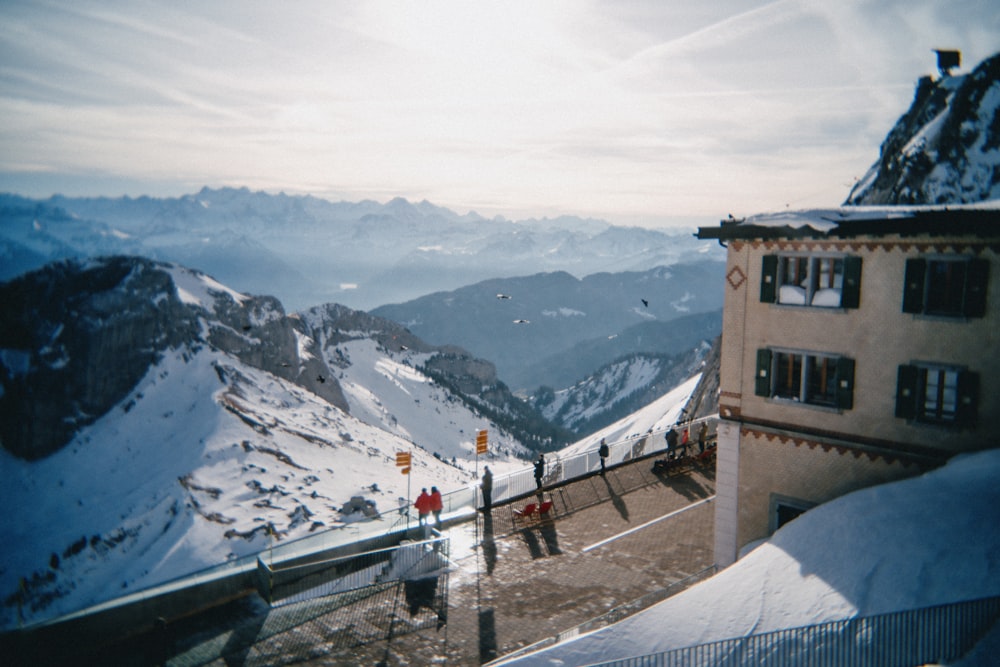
[937, 394]
[815, 280]
[813, 378]
[946, 286]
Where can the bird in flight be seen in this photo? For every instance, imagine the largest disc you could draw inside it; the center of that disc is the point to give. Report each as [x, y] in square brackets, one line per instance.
[503, 296]
[320, 379]
[522, 322]
[644, 302]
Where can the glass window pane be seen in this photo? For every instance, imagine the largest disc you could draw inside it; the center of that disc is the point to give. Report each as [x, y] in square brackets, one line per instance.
[822, 374]
[788, 378]
[945, 287]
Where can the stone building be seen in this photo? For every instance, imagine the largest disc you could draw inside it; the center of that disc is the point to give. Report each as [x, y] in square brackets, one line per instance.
[859, 346]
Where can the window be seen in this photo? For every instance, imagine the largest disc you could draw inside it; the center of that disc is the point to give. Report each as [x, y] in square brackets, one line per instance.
[784, 509]
[937, 394]
[825, 281]
[946, 286]
[806, 377]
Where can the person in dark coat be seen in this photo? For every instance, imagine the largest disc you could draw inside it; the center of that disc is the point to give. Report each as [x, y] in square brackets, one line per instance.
[487, 486]
[539, 470]
[671, 441]
[603, 452]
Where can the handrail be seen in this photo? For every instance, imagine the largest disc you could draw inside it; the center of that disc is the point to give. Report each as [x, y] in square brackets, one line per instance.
[936, 634]
[458, 503]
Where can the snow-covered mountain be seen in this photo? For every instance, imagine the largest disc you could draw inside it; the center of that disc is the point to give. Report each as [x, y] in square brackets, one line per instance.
[945, 149]
[309, 251]
[155, 421]
[555, 329]
[618, 389]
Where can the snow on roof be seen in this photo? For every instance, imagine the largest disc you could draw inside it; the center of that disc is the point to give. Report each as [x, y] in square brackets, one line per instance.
[826, 220]
[919, 542]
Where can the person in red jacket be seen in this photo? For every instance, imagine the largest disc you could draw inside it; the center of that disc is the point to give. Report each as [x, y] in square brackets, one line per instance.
[436, 505]
[423, 506]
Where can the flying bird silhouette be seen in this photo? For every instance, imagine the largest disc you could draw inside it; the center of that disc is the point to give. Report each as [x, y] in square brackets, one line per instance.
[644, 302]
[503, 296]
[522, 322]
[321, 379]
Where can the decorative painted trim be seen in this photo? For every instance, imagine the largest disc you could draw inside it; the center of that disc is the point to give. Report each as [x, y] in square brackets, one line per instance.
[730, 394]
[803, 440]
[736, 277]
[804, 245]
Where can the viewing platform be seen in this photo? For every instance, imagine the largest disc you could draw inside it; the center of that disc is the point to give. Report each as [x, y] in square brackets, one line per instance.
[610, 546]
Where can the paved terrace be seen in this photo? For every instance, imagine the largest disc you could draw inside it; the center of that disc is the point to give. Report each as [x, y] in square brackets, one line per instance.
[615, 545]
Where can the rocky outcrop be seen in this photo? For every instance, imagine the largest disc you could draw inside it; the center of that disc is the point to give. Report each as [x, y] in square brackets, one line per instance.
[945, 149]
[77, 336]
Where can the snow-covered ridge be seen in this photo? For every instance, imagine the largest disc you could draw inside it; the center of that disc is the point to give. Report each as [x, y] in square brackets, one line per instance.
[234, 432]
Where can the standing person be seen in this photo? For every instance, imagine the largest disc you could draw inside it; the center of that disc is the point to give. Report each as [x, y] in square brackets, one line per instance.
[671, 442]
[603, 453]
[539, 471]
[685, 440]
[702, 437]
[436, 505]
[487, 486]
[423, 506]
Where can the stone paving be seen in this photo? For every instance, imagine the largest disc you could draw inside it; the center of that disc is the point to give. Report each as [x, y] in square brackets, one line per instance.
[613, 546]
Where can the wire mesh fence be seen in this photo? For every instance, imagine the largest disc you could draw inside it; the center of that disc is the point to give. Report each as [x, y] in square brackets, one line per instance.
[929, 635]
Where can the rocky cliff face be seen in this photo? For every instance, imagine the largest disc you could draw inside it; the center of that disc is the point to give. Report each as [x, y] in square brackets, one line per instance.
[945, 149]
[77, 336]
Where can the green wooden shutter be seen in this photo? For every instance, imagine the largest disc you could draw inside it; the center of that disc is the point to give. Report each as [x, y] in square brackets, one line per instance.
[975, 288]
[845, 383]
[913, 285]
[966, 412]
[769, 279]
[906, 391]
[850, 293]
[763, 378]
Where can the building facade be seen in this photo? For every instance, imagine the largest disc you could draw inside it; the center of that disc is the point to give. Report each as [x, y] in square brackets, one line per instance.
[859, 346]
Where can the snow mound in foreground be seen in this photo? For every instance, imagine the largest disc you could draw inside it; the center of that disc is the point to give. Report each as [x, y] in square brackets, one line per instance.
[924, 541]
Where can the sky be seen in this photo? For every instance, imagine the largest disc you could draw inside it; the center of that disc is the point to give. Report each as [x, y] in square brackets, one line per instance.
[649, 112]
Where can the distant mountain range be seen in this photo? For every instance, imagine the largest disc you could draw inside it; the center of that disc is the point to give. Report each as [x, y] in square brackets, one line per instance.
[554, 329]
[308, 251]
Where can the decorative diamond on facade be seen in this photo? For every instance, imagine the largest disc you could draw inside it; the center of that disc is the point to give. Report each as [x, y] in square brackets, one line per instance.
[736, 277]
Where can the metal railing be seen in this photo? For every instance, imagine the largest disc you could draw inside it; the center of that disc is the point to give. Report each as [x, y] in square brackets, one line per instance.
[225, 579]
[283, 585]
[938, 634]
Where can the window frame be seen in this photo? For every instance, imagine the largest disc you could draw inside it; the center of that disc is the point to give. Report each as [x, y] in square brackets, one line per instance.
[919, 286]
[774, 269]
[912, 386]
[838, 393]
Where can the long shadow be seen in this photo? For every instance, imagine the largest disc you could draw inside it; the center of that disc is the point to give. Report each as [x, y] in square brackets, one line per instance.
[550, 537]
[489, 544]
[534, 547]
[617, 500]
[689, 487]
[241, 640]
[487, 635]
